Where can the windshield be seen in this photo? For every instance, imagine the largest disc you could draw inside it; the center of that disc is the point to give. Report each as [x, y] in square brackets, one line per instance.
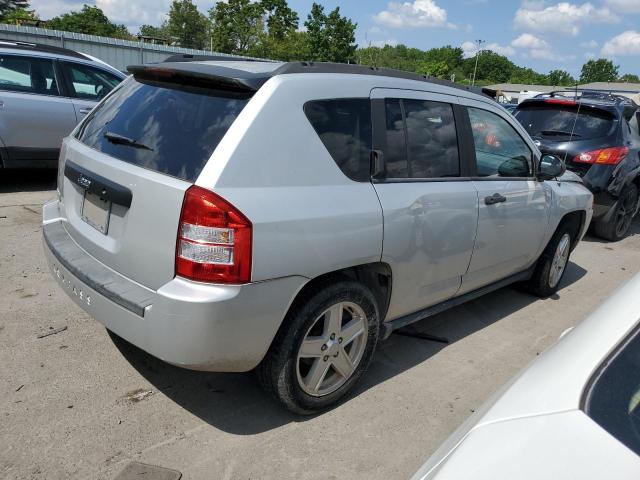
[560, 121]
[167, 129]
[614, 400]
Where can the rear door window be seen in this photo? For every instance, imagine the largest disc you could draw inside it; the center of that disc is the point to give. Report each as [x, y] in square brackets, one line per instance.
[421, 139]
[89, 83]
[161, 127]
[344, 126]
[27, 75]
[562, 122]
[614, 399]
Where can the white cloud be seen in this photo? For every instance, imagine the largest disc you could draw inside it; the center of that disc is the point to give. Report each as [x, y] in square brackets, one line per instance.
[47, 9]
[135, 13]
[589, 44]
[469, 49]
[381, 43]
[561, 18]
[526, 40]
[131, 13]
[627, 6]
[419, 13]
[538, 48]
[627, 43]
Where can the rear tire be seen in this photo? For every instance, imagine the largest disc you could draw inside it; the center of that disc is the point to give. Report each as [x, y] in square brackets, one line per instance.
[552, 264]
[323, 348]
[616, 225]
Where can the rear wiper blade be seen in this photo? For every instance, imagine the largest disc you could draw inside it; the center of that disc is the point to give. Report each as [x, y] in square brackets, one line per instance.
[550, 133]
[122, 140]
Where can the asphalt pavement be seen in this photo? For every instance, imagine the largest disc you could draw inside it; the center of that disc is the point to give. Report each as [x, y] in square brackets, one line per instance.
[77, 403]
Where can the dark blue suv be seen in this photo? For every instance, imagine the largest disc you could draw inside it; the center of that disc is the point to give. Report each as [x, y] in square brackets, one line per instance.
[597, 135]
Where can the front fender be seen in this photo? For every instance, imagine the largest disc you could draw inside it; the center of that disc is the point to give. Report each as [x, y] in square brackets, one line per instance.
[567, 197]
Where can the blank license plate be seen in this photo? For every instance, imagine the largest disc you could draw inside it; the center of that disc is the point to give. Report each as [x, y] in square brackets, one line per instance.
[95, 211]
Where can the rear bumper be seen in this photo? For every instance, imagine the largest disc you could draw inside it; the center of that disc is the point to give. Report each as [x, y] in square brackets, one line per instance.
[224, 328]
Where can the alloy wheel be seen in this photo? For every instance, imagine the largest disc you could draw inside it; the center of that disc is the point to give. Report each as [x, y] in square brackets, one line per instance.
[332, 349]
[560, 259]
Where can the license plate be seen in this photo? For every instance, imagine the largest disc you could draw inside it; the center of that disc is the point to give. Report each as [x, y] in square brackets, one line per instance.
[95, 211]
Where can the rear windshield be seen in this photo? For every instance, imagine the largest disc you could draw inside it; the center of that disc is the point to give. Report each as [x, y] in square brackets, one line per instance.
[167, 129]
[557, 121]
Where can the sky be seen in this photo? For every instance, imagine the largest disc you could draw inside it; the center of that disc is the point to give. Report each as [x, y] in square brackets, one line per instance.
[540, 34]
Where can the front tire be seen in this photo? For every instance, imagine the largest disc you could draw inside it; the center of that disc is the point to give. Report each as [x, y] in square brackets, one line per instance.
[552, 264]
[323, 348]
[616, 225]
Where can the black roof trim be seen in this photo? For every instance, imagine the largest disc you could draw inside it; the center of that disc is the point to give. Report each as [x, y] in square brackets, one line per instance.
[326, 67]
[39, 47]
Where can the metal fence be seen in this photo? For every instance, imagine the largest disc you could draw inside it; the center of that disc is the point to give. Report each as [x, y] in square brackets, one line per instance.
[116, 52]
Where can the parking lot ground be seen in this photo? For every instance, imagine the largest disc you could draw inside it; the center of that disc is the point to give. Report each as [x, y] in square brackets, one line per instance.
[79, 404]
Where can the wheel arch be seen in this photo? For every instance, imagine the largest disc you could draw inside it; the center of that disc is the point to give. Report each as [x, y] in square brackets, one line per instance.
[576, 221]
[376, 276]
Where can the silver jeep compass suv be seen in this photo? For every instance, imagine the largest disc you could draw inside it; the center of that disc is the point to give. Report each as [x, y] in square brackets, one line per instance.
[230, 216]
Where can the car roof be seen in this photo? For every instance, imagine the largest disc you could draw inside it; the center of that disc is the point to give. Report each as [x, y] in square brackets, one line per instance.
[249, 75]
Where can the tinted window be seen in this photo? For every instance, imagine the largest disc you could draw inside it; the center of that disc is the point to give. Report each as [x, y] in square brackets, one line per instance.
[614, 399]
[344, 126]
[395, 154]
[558, 121]
[90, 83]
[29, 75]
[500, 150]
[175, 130]
[431, 139]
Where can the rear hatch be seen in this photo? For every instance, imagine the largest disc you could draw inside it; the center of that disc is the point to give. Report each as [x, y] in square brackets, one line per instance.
[124, 172]
[567, 129]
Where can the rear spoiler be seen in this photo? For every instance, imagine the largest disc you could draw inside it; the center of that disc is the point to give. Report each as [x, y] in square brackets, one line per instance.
[203, 76]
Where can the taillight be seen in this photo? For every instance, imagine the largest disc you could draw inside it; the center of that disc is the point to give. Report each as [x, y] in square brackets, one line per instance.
[214, 239]
[604, 156]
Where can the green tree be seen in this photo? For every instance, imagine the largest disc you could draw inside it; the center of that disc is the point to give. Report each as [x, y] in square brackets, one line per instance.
[89, 20]
[9, 6]
[601, 70]
[331, 37]
[19, 15]
[160, 32]
[492, 67]
[280, 19]
[560, 77]
[187, 25]
[437, 68]
[452, 56]
[630, 78]
[236, 26]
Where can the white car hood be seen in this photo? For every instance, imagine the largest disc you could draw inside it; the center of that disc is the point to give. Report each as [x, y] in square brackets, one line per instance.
[566, 445]
[553, 384]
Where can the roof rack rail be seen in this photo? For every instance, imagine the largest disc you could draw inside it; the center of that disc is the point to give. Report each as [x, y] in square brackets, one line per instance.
[189, 57]
[346, 68]
[40, 47]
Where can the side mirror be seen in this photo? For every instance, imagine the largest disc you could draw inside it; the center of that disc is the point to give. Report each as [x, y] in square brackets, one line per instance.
[550, 167]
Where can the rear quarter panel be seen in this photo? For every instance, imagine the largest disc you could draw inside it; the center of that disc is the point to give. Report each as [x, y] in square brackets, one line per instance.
[308, 217]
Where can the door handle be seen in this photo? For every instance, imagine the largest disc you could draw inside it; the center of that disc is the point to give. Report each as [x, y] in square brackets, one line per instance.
[495, 198]
[85, 110]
